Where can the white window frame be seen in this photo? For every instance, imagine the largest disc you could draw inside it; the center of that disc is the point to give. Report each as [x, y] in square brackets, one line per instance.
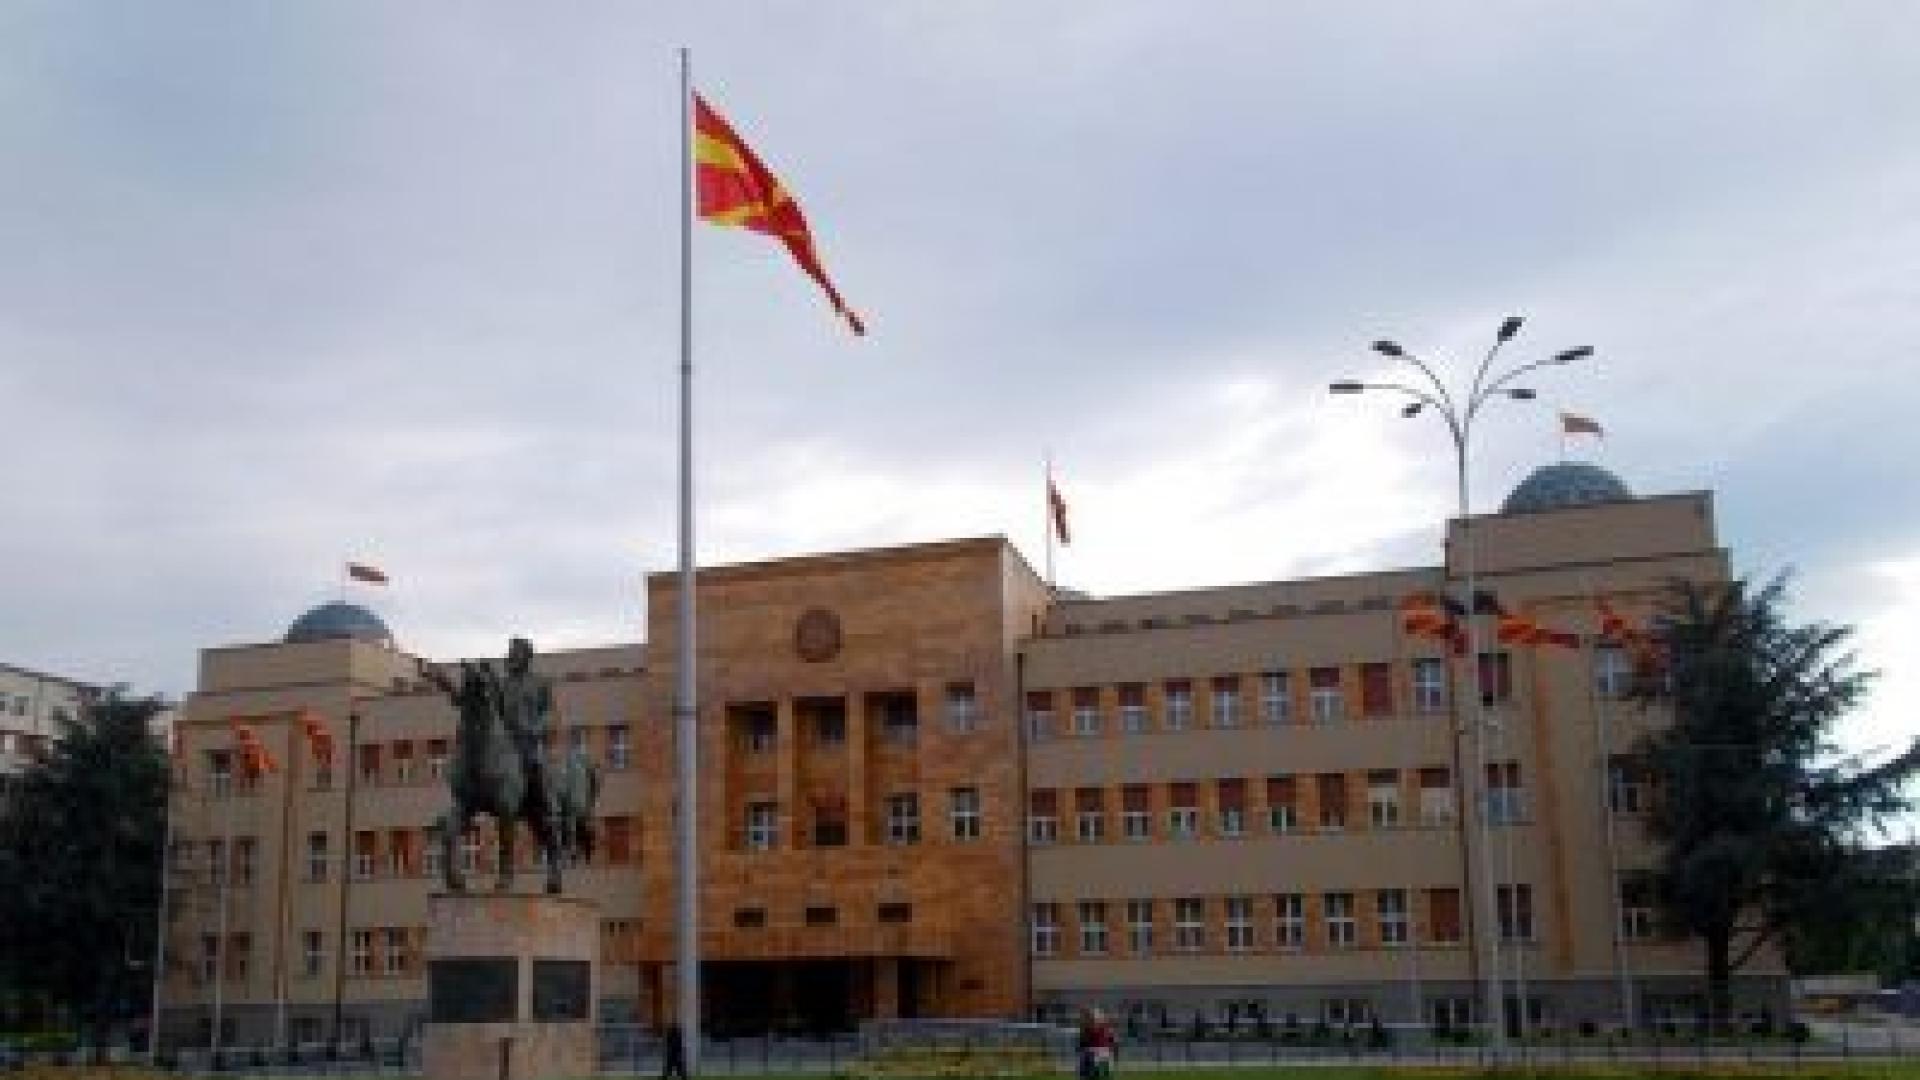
[1276, 697]
[1090, 826]
[619, 746]
[1039, 725]
[393, 960]
[1343, 928]
[1140, 927]
[1239, 923]
[963, 810]
[1183, 822]
[1513, 926]
[962, 708]
[1133, 717]
[1383, 805]
[365, 862]
[1612, 672]
[1626, 786]
[1179, 708]
[469, 852]
[763, 824]
[1507, 805]
[1093, 927]
[1437, 806]
[430, 862]
[220, 772]
[1226, 706]
[1290, 921]
[1136, 825]
[1390, 905]
[362, 953]
[1233, 822]
[1046, 928]
[1086, 720]
[436, 762]
[319, 858]
[1326, 704]
[403, 767]
[1638, 922]
[313, 953]
[1429, 684]
[903, 818]
[1043, 828]
[1189, 924]
[1283, 818]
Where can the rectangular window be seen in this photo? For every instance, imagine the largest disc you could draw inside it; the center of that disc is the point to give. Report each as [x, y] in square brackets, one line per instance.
[1276, 698]
[437, 758]
[1496, 677]
[1430, 684]
[1140, 927]
[1436, 795]
[1637, 913]
[239, 956]
[962, 708]
[903, 819]
[1383, 798]
[1093, 928]
[396, 950]
[894, 914]
[1046, 929]
[1342, 928]
[820, 915]
[830, 822]
[1226, 701]
[1089, 815]
[1136, 815]
[763, 825]
[220, 772]
[826, 721]
[756, 728]
[1376, 689]
[403, 761]
[1515, 904]
[1324, 695]
[1391, 907]
[1179, 705]
[1231, 795]
[1039, 716]
[469, 850]
[400, 853]
[1332, 789]
[217, 862]
[619, 747]
[577, 740]
[1443, 916]
[1086, 711]
[317, 857]
[1183, 811]
[243, 860]
[366, 847]
[1189, 924]
[313, 953]
[1506, 800]
[963, 812]
[1239, 923]
[1043, 816]
[1626, 784]
[430, 861]
[1133, 708]
[1283, 804]
[362, 953]
[370, 764]
[1289, 921]
[209, 957]
[1346, 1012]
[1612, 672]
[899, 719]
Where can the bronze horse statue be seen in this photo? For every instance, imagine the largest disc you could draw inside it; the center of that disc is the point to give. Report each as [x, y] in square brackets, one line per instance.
[501, 768]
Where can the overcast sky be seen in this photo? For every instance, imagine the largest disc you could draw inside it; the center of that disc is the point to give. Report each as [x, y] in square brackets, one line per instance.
[284, 284]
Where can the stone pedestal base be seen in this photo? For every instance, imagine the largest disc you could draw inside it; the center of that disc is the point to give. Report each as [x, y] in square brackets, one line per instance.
[512, 986]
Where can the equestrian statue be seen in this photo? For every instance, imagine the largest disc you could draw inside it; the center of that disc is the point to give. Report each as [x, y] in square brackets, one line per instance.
[502, 767]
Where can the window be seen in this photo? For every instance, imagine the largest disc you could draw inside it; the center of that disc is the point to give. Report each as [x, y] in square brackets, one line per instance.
[1189, 924]
[430, 860]
[1089, 815]
[763, 825]
[1039, 716]
[396, 951]
[1289, 920]
[1342, 930]
[619, 748]
[1496, 677]
[217, 861]
[1333, 800]
[1231, 795]
[403, 761]
[830, 822]
[1183, 813]
[1179, 705]
[1043, 816]
[1515, 905]
[365, 848]
[963, 812]
[209, 957]
[1093, 928]
[1140, 927]
[1637, 916]
[469, 850]
[400, 853]
[239, 956]
[313, 953]
[1436, 795]
[317, 856]
[1612, 672]
[756, 728]
[903, 819]
[362, 952]
[962, 708]
[1226, 701]
[1443, 916]
[1626, 784]
[899, 719]
[1276, 698]
[1346, 1011]
[1133, 708]
[220, 772]
[1450, 1013]
[1136, 816]
[1376, 689]
[820, 915]
[437, 758]
[577, 740]
[1324, 696]
[894, 914]
[1383, 798]
[1391, 907]
[1239, 923]
[749, 918]
[826, 721]
[1046, 929]
[370, 764]
[1430, 684]
[1086, 711]
[1283, 810]
[1506, 802]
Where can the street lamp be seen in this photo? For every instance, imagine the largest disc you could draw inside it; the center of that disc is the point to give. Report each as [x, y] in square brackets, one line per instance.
[1459, 412]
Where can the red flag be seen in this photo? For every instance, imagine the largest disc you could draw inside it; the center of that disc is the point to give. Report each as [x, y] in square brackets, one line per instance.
[319, 738]
[736, 188]
[1057, 509]
[373, 575]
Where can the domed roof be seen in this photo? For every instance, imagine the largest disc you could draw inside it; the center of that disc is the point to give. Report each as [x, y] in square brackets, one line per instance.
[1567, 483]
[337, 619]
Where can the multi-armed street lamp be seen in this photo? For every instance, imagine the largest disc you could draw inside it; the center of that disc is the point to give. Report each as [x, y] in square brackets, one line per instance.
[1459, 413]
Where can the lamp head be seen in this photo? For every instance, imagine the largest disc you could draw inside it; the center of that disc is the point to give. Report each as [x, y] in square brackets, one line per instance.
[1521, 393]
[1413, 410]
[1388, 348]
[1346, 386]
[1510, 327]
[1568, 357]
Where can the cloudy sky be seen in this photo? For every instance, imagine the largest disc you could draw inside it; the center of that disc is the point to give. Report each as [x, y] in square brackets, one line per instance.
[284, 284]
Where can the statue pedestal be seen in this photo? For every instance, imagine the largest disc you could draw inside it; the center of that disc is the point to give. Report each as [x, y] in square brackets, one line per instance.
[513, 981]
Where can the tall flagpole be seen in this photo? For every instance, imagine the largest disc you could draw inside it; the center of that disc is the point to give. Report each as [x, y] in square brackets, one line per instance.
[685, 705]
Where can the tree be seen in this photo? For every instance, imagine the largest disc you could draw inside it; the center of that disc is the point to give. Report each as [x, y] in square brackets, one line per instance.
[1757, 808]
[80, 858]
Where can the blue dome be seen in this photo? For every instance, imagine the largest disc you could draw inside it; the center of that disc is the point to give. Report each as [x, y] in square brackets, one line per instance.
[335, 620]
[1569, 483]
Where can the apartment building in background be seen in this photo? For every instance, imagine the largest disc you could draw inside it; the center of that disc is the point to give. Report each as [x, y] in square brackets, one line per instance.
[933, 787]
[33, 704]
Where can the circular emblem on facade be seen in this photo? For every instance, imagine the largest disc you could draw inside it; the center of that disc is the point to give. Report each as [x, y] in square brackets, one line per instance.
[816, 637]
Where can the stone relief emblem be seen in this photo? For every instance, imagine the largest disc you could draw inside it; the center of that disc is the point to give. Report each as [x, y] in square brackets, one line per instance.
[816, 637]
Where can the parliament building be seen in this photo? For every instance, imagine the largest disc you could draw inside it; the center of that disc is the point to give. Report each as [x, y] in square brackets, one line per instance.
[932, 787]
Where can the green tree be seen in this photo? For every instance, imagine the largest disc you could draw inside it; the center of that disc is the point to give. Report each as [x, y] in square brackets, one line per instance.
[1758, 809]
[80, 856]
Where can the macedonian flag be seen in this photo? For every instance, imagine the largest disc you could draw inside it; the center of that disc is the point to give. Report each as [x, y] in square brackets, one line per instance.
[736, 188]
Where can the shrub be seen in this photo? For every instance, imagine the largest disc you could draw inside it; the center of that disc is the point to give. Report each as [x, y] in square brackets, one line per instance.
[1798, 1032]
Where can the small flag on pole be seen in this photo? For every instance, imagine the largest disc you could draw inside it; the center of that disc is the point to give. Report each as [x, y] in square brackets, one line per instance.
[1575, 424]
[1057, 508]
[736, 188]
[372, 575]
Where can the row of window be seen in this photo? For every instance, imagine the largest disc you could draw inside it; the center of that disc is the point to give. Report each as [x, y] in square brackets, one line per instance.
[379, 952]
[389, 853]
[893, 718]
[410, 761]
[24, 743]
[826, 825]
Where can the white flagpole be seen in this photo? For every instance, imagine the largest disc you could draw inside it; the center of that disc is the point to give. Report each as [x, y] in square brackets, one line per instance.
[685, 705]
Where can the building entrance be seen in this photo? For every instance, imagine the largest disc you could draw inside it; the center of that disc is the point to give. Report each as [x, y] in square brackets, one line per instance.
[788, 997]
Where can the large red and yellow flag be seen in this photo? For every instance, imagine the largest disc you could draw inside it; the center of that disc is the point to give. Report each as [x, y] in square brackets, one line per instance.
[736, 188]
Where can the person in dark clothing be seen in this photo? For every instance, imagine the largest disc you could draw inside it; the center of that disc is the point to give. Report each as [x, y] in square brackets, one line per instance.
[673, 1054]
[1096, 1045]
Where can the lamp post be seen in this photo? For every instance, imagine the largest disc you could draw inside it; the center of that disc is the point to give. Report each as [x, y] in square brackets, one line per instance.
[1459, 412]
